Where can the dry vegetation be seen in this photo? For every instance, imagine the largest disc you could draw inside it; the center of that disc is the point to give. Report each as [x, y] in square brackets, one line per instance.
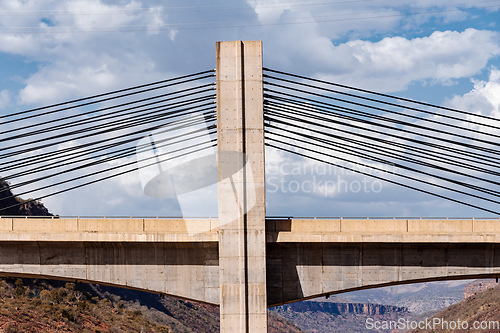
[41, 307]
[481, 307]
[28, 305]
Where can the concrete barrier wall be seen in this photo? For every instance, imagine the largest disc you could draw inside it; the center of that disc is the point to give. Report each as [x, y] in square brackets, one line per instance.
[112, 229]
[383, 230]
[280, 230]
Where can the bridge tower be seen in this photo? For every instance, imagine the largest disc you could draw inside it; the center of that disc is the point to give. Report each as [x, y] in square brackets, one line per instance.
[241, 188]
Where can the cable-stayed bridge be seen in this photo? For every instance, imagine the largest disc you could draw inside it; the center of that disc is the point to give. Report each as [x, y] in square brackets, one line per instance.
[210, 128]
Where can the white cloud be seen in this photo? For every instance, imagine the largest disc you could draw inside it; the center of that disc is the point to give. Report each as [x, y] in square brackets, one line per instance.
[483, 99]
[393, 63]
[120, 196]
[82, 62]
[4, 99]
[362, 18]
[104, 15]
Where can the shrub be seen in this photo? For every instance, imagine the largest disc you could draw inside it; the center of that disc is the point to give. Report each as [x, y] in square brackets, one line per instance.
[11, 329]
[57, 295]
[19, 287]
[45, 295]
[83, 305]
[68, 314]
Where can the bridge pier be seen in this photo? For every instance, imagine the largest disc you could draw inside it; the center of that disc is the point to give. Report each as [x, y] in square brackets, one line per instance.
[241, 187]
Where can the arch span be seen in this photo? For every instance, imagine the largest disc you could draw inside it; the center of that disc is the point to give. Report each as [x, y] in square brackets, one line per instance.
[61, 278]
[185, 270]
[301, 271]
[397, 283]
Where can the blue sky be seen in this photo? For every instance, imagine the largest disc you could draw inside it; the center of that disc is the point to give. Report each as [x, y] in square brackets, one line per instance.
[443, 52]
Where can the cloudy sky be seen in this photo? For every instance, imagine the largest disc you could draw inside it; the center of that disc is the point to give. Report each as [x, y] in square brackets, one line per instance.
[441, 52]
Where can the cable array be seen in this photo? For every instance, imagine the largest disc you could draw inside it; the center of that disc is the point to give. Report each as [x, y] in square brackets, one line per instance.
[444, 152]
[61, 147]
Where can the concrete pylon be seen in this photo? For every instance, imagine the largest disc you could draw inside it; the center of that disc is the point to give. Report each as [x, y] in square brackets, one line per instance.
[241, 187]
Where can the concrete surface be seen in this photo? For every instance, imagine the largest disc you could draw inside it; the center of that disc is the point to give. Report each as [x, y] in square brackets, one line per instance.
[241, 187]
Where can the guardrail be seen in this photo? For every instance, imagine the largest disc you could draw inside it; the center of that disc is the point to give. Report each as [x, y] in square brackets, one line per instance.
[267, 217]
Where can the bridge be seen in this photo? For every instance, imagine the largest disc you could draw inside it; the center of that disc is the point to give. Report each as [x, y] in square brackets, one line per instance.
[243, 260]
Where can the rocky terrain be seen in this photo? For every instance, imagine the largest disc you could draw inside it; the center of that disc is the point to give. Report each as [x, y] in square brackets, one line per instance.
[336, 315]
[22, 207]
[478, 286]
[418, 298]
[473, 300]
[28, 305]
[481, 307]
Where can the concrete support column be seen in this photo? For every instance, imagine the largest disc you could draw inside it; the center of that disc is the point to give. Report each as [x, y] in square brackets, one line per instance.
[241, 189]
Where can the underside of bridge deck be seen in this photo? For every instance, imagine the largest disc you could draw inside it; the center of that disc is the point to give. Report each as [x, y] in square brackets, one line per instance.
[186, 270]
[305, 258]
[299, 271]
[295, 271]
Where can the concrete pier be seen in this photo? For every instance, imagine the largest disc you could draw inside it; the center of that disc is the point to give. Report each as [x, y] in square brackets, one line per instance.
[242, 203]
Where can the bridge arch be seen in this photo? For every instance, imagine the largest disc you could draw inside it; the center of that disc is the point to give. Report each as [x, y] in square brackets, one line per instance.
[301, 271]
[326, 294]
[398, 283]
[184, 270]
[65, 279]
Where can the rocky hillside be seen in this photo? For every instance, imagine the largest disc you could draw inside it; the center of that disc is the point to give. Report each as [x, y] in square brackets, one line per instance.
[27, 207]
[180, 315]
[482, 308]
[331, 316]
[34, 306]
[478, 286]
[344, 308]
[28, 305]
[344, 314]
[419, 298]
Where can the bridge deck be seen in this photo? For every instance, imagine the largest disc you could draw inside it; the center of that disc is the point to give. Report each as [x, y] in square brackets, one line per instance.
[305, 258]
[277, 230]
